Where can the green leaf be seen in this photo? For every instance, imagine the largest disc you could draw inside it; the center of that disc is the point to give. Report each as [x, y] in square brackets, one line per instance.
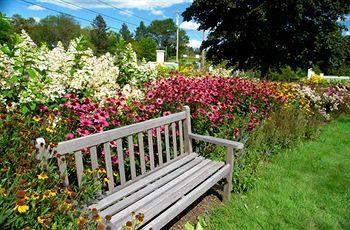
[24, 109]
[189, 226]
[32, 106]
[31, 73]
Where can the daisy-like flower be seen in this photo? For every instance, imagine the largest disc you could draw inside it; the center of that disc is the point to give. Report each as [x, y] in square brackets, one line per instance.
[40, 219]
[42, 176]
[21, 207]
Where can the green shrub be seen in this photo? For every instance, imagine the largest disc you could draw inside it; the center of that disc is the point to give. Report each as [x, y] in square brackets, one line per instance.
[287, 74]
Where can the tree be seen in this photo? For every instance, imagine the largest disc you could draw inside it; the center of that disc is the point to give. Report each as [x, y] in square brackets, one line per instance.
[6, 33]
[269, 33]
[141, 31]
[164, 32]
[99, 35]
[125, 33]
[145, 48]
[56, 28]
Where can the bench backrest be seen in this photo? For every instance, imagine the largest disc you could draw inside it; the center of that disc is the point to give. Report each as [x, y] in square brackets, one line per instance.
[151, 152]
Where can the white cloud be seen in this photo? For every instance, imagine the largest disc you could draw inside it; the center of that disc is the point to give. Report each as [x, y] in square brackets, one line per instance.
[126, 13]
[189, 25]
[37, 19]
[148, 5]
[35, 7]
[157, 12]
[194, 43]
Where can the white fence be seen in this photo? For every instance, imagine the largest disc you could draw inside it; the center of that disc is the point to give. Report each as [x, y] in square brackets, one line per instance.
[310, 73]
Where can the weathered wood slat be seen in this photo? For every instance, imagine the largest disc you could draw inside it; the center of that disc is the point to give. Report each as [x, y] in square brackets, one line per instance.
[159, 146]
[173, 132]
[149, 188]
[132, 157]
[124, 214]
[121, 161]
[150, 148]
[167, 146]
[99, 138]
[187, 130]
[158, 173]
[142, 152]
[182, 204]
[79, 166]
[228, 182]
[94, 160]
[181, 138]
[165, 194]
[218, 141]
[108, 162]
[168, 198]
[62, 167]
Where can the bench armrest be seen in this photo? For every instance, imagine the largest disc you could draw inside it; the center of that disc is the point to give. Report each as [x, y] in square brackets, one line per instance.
[218, 141]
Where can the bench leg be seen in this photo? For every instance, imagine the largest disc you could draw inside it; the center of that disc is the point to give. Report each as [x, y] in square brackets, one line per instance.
[228, 178]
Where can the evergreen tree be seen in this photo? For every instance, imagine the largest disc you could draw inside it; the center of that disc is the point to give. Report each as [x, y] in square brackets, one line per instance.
[125, 33]
[141, 31]
[99, 35]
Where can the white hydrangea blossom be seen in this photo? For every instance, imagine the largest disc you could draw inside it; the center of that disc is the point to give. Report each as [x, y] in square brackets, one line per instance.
[46, 75]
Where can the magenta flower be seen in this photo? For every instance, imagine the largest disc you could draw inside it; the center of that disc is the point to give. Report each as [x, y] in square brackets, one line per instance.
[69, 136]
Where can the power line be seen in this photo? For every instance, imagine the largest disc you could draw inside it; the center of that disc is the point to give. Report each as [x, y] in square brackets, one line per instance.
[60, 12]
[95, 12]
[129, 13]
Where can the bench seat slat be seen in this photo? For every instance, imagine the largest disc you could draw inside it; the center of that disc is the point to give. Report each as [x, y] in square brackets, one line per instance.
[159, 200]
[183, 203]
[160, 172]
[150, 188]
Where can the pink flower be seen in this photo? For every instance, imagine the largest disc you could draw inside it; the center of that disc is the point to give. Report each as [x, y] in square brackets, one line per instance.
[43, 108]
[69, 136]
[159, 101]
[166, 113]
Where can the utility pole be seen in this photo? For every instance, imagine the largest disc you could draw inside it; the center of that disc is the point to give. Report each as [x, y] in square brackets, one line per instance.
[177, 36]
[203, 52]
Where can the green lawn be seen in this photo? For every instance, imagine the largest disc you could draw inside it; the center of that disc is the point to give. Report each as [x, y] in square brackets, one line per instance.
[307, 187]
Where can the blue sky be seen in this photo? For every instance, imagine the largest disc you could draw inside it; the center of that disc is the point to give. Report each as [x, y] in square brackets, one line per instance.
[119, 11]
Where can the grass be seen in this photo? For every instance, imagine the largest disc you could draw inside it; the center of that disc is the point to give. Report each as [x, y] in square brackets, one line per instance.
[307, 187]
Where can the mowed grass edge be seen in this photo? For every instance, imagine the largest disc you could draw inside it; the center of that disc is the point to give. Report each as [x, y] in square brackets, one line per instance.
[307, 187]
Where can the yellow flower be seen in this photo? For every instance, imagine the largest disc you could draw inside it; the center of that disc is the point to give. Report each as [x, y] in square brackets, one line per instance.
[89, 171]
[22, 208]
[36, 118]
[102, 170]
[52, 192]
[40, 219]
[3, 192]
[50, 130]
[106, 180]
[46, 194]
[42, 176]
[35, 196]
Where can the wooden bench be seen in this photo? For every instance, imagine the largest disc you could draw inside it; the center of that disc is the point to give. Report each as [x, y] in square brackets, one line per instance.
[161, 187]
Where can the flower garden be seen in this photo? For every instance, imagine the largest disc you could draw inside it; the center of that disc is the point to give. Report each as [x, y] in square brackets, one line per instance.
[61, 94]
